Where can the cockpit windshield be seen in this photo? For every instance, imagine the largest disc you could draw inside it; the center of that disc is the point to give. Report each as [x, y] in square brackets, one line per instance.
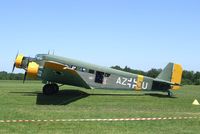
[39, 57]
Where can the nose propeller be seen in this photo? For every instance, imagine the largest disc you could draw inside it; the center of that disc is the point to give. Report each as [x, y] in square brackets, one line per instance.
[14, 65]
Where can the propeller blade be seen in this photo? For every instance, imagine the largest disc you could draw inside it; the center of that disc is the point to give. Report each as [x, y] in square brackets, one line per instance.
[14, 65]
[24, 77]
[16, 55]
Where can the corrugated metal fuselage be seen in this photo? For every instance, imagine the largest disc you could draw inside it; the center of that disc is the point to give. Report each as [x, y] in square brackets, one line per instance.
[95, 76]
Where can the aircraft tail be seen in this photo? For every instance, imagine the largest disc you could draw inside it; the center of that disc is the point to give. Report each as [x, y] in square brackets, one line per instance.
[173, 74]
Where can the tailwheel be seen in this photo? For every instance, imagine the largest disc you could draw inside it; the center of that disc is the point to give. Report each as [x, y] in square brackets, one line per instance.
[50, 89]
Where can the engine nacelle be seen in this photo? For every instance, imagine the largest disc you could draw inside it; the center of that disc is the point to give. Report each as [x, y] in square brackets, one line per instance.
[32, 70]
[18, 60]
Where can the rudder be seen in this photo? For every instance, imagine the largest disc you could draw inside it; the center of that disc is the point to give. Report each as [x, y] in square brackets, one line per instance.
[177, 76]
[172, 73]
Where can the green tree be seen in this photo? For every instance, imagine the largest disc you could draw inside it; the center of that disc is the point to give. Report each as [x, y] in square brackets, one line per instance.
[154, 72]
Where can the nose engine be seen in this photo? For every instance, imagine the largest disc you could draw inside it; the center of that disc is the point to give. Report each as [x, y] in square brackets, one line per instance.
[18, 60]
[28, 64]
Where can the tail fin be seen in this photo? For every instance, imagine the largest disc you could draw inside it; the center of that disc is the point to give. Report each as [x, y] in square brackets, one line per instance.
[172, 73]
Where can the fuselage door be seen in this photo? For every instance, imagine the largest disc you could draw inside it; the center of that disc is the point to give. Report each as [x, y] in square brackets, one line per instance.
[99, 77]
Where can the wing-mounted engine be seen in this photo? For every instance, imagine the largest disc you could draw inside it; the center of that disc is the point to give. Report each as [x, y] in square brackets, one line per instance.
[32, 70]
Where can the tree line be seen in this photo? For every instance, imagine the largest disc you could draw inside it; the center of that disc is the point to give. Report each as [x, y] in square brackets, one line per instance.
[189, 77]
[11, 76]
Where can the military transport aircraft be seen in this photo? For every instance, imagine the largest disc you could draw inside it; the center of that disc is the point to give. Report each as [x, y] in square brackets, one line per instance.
[54, 70]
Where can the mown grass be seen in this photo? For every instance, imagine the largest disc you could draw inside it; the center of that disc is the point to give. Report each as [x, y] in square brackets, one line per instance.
[25, 101]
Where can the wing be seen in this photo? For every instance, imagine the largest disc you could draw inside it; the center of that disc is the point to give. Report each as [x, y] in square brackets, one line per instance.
[60, 73]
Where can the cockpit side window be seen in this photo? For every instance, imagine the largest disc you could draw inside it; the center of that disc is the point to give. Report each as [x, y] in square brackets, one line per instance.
[73, 67]
[39, 57]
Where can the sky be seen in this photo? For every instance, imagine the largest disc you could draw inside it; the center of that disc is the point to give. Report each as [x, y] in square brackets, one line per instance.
[141, 34]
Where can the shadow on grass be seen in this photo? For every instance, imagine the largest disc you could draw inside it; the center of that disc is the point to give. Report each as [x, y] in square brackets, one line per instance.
[65, 97]
[160, 95]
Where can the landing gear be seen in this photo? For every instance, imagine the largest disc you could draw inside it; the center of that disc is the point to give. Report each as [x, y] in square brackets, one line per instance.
[170, 94]
[50, 89]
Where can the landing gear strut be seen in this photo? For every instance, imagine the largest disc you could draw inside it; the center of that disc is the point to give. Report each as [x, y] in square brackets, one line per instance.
[170, 94]
[50, 89]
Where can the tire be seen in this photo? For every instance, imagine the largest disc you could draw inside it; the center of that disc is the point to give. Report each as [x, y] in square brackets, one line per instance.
[56, 88]
[48, 90]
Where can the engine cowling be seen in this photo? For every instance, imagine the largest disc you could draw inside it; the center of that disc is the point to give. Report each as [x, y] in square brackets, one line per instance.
[32, 70]
[18, 60]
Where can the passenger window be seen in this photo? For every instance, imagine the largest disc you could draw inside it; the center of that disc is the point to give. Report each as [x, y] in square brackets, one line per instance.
[107, 75]
[83, 69]
[91, 71]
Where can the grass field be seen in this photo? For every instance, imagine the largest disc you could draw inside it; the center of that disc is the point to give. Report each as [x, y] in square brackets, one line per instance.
[25, 101]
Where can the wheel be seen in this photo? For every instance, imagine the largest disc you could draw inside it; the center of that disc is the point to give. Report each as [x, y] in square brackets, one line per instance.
[50, 89]
[56, 88]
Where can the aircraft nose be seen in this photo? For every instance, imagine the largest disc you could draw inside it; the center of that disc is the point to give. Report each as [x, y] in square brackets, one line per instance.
[21, 61]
